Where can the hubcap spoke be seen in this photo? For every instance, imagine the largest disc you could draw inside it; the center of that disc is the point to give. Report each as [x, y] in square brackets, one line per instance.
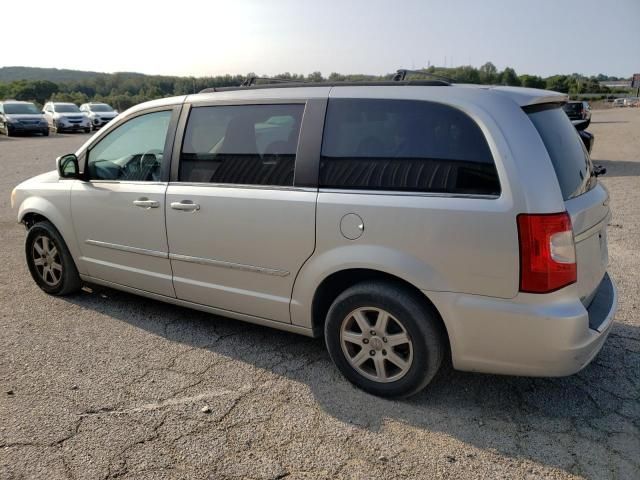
[361, 320]
[394, 358]
[351, 337]
[56, 266]
[381, 371]
[382, 321]
[397, 339]
[38, 261]
[45, 244]
[54, 251]
[38, 248]
[360, 357]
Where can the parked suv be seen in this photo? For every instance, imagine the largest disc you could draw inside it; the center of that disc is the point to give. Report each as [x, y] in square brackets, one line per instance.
[405, 222]
[21, 117]
[99, 113]
[578, 111]
[66, 116]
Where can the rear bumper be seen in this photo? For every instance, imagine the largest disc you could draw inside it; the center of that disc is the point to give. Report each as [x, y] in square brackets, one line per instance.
[531, 335]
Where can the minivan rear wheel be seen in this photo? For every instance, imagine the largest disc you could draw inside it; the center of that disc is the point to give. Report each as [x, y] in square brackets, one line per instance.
[384, 338]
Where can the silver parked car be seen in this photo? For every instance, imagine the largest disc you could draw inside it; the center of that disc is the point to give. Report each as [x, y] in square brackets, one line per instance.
[99, 113]
[21, 117]
[63, 116]
[406, 222]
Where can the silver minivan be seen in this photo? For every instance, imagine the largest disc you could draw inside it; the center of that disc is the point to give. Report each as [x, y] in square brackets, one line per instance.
[406, 222]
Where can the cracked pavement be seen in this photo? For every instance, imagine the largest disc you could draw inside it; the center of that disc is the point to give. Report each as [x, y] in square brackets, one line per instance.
[105, 384]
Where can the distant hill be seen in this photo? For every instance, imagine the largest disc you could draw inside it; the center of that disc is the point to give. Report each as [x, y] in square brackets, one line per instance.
[56, 75]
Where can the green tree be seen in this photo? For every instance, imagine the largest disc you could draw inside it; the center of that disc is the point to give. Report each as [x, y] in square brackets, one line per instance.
[488, 73]
[509, 77]
[532, 81]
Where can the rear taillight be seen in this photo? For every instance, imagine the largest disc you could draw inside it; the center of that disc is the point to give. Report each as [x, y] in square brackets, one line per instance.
[547, 252]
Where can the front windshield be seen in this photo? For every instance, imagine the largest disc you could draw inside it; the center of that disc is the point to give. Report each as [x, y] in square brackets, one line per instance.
[66, 108]
[101, 108]
[20, 109]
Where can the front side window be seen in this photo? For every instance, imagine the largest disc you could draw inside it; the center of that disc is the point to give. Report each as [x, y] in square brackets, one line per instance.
[405, 145]
[243, 144]
[133, 151]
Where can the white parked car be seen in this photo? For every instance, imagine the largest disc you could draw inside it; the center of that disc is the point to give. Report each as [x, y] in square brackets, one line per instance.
[99, 113]
[62, 116]
[404, 222]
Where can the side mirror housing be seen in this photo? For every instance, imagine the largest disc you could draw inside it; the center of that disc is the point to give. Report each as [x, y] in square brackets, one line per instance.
[67, 166]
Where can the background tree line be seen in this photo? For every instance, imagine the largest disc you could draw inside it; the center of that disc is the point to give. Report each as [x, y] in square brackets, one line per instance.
[123, 90]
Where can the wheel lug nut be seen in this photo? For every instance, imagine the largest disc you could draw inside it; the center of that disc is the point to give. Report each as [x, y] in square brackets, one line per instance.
[365, 340]
[384, 352]
[373, 333]
[384, 339]
[372, 352]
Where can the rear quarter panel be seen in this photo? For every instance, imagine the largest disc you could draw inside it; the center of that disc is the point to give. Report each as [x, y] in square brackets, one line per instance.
[439, 243]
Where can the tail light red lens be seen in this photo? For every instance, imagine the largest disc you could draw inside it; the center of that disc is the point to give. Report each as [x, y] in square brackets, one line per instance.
[547, 252]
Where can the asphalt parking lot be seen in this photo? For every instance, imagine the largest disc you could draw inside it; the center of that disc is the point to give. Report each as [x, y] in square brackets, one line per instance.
[105, 384]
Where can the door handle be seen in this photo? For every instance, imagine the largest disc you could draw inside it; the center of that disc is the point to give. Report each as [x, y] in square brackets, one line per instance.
[146, 203]
[185, 206]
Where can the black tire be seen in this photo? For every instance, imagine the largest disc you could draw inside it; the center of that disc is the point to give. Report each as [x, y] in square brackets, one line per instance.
[421, 322]
[69, 279]
[8, 131]
[45, 133]
[87, 130]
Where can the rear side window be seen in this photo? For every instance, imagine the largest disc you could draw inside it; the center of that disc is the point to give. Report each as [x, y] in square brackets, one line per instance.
[569, 157]
[405, 145]
[244, 144]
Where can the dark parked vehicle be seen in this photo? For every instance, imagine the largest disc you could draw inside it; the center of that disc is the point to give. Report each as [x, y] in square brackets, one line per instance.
[21, 117]
[578, 111]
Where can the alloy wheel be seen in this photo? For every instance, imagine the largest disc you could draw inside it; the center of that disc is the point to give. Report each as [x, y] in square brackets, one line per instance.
[376, 344]
[47, 261]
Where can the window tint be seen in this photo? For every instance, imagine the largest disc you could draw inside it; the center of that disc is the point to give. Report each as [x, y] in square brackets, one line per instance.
[66, 108]
[246, 144]
[133, 151]
[568, 155]
[21, 108]
[404, 145]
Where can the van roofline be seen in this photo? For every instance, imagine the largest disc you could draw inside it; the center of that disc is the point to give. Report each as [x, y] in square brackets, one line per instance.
[521, 95]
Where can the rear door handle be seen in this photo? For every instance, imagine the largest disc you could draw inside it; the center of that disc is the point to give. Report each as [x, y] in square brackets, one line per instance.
[185, 206]
[146, 203]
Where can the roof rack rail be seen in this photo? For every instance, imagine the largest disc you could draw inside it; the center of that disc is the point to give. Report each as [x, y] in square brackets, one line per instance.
[282, 83]
[252, 80]
[402, 74]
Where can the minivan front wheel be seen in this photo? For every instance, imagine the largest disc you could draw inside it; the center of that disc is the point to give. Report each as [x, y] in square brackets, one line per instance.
[49, 260]
[384, 338]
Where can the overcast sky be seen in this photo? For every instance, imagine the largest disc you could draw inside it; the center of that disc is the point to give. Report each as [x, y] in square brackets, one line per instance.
[210, 37]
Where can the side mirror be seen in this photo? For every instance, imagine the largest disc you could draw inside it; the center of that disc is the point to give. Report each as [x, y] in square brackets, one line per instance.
[68, 166]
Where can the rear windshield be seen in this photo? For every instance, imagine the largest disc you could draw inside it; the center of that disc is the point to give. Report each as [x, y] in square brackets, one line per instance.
[568, 154]
[20, 108]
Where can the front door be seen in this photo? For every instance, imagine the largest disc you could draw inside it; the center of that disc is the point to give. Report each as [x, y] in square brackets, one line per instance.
[239, 229]
[119, 213]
